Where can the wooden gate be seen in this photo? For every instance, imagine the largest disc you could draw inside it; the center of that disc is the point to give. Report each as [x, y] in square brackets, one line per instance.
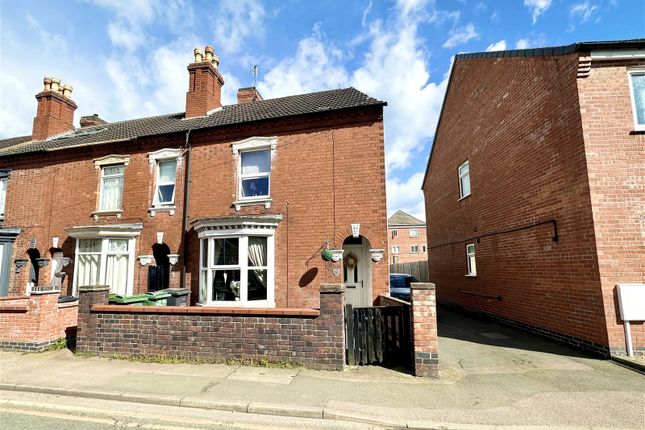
[378, 335]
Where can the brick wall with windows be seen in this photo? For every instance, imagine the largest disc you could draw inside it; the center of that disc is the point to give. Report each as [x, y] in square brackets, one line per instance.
[616, 166]
[411, 242]
[524, 145]
[48, 194]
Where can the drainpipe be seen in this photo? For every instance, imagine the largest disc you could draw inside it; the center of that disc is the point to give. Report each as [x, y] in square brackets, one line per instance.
[184, 221]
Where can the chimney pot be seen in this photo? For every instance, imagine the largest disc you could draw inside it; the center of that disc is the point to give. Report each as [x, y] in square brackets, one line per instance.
[209, 53]
[215, 61]
[48, 84]
[198, 55]
[67, 91]
[55, 85]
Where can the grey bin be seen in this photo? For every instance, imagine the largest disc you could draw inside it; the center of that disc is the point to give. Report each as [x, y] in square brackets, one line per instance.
[178, 296]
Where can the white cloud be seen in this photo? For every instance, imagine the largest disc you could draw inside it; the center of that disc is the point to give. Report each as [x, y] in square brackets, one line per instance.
[537, 7]
[497, 46]
[406, 195]
[583, 11]
[315, 66]
[235, 22]
[461, 35]
[522, 44]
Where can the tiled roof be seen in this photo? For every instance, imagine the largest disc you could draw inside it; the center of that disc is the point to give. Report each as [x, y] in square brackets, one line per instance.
[323, 101]
[401, 218]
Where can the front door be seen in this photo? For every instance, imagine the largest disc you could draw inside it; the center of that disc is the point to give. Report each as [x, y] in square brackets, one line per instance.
[356, 275]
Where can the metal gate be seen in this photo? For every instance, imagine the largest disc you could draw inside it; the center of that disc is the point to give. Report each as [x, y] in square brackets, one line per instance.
[158, 278]
[378, 335]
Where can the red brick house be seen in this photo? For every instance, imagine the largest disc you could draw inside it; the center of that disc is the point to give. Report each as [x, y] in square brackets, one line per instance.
[535, 189]
[234, 202]
[407, 238]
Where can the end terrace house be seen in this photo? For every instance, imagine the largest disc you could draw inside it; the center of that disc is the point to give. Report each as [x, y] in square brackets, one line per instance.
[234, 202]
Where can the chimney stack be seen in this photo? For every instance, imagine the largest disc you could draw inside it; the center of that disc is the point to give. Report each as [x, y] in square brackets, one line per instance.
[204, 84]
[249, 94]
[90, 120]
[55, 112]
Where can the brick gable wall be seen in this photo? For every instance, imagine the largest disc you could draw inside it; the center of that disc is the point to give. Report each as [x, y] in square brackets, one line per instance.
[517, 121]
[616, 165]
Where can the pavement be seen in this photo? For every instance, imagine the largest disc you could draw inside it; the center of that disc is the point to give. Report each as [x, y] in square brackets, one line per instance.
[492, 377]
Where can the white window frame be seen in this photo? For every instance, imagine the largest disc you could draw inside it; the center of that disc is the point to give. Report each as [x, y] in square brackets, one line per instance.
[106, 232]
[630, 74]
[242, 229]
[103, 177]
[247, 145]
[414, 232]
[396, 249]
[412, 250]
[465, 175]
[159, 183]
[471, 261]
[155, 158]
[4, 186]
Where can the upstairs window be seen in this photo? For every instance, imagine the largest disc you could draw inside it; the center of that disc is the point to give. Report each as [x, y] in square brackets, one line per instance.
[394, 233]
[414, 232]
[414, 249]
[470, 257]
[637, 85]
[464, 180]
[255, 173]
[3, 195]
[166, 179]
[111, 188]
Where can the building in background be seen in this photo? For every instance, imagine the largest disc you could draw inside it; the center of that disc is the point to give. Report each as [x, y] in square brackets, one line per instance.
[407, 238]
[535, 189]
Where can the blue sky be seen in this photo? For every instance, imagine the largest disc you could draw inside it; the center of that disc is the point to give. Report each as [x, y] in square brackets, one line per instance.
[128, 58]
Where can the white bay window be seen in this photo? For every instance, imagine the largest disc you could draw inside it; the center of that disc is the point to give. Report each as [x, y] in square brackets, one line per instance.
[237, 261]
[105, 256]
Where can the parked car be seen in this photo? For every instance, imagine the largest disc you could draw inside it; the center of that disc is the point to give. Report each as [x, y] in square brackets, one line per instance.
[400, 285]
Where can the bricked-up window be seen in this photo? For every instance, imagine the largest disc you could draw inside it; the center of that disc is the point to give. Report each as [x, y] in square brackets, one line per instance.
[464, 180]
[637, 84]
[255, 172]
[165, 182]
[414, 249]
[395, 249]
[414, 232]
[111, 188]
[237, 270]
[470, 257]
[105, 261]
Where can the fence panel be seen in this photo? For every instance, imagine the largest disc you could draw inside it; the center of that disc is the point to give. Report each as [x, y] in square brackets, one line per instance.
[418, 269]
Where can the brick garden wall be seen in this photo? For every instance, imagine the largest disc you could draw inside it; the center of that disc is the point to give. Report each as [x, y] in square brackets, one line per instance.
[33, 322]
[310, 337]
[616, 166]
[517, 121]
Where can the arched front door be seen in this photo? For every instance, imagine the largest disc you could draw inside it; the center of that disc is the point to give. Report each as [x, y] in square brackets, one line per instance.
[357, 271]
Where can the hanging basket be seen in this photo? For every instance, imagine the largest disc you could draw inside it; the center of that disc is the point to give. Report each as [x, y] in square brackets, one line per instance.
[326, 254]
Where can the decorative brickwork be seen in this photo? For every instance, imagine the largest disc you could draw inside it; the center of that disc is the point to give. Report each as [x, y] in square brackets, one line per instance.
[33, 322]
[424, 330]
[312, 338]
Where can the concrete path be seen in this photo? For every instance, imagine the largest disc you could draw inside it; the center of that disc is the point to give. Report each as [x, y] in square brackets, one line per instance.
[491, 375]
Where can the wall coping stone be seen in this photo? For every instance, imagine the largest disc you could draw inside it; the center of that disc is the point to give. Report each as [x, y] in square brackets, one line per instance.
[68, 305]
[21, 297]
[206, 310]
[422, 286]
[91, 288]
[43, 292]
[332, 288]
[14, 308]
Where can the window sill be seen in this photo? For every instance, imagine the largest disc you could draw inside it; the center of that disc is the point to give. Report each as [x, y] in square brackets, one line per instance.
[170, 209]
[97, 214]
[464, 197]
[637, 131]
[469, 275]
[266, 201]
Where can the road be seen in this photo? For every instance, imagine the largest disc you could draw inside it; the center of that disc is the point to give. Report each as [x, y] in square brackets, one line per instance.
[33, 411]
